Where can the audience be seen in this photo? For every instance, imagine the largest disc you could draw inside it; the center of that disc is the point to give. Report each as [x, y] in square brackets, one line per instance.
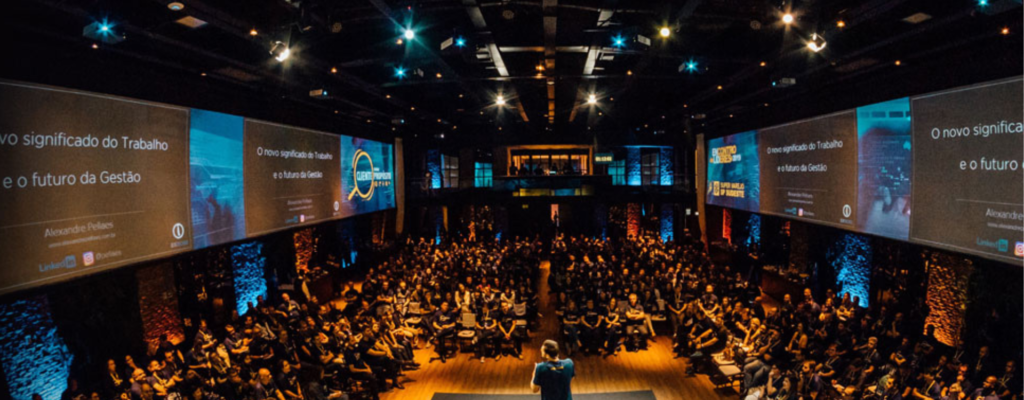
[822, 347]
[609, 294]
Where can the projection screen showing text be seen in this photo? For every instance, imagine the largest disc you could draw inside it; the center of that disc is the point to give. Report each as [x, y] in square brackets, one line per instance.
[291, 177]
[87, 183]
[809, 169]
[968, 180]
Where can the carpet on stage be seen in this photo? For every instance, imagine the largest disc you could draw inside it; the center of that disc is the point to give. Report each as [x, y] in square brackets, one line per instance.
[640, 395]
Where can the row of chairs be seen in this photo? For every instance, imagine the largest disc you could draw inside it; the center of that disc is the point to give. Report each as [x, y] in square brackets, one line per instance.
[467, 321]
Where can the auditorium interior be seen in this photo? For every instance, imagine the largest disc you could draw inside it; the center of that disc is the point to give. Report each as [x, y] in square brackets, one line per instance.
[512, 199]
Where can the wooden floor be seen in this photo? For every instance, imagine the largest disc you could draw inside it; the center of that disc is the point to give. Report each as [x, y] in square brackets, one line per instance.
[654, 369]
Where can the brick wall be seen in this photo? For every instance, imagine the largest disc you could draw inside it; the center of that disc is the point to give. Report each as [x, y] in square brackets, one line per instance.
[158, 303]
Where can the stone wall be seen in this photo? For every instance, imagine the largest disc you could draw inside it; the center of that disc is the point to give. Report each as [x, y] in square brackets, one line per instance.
[633, 168]
[633, 219]
[34, 357]
[667, 222]
[850, 258]
[248, 263]
[667, 166]
[948, 278]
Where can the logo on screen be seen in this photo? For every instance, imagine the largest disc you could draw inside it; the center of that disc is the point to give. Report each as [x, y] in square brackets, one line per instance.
[88, 258]
[67, 263]
[366, 177]
[178, 231]
[1004, 245]
[302, 218]
[337, 206]
[724, 155]
[847, 210]
[1018, 250]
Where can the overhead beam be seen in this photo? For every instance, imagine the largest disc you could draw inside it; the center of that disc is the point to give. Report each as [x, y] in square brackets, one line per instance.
[550, 10]
[477, 17]
[603, 18]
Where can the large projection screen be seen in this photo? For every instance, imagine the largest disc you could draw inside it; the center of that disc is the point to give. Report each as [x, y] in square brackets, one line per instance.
[291, 177]
[968, 182]
[88, 182]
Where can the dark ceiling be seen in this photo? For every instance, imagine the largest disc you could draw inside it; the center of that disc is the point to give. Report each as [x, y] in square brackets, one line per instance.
[545, 57]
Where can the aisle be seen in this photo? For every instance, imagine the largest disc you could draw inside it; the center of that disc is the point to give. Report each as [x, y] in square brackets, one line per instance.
[654, 369]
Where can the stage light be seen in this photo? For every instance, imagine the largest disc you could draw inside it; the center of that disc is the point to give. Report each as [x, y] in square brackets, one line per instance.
[400, 72]
[500, 100]
[841, 24]
[629, 72]
[982, 3]
[1005, 31]
[763, 63]
[618, 41]
[334, 70]
[399, 41]
[665, 32]
[438, 75]
[691, 66]
[103, 32]
[592, 99]
[409, 34]
[253, 32]
[719, 87]
[460, 42]
[95, 46]
[897, 63]
[280, 51]
[817, 43]
[787, 18]
[176, 6]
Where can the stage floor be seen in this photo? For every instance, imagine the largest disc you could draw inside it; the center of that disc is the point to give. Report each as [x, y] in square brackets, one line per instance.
[641, 395]
[653, 369]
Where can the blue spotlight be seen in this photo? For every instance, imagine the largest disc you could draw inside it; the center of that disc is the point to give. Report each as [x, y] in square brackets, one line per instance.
[691, 66]
[400, 72]
[618, 41]
[982, 3]
[104, 28]
[460, 42]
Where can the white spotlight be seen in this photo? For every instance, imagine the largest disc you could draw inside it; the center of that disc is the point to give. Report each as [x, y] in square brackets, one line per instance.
[500, 100]
[665, 32]
[409, 34]
[280, 51]
[817, 43]
[592, 99]
[787, 18]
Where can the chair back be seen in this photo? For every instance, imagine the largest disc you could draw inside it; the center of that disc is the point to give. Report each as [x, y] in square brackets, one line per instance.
[468, 320]
[519, 309]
